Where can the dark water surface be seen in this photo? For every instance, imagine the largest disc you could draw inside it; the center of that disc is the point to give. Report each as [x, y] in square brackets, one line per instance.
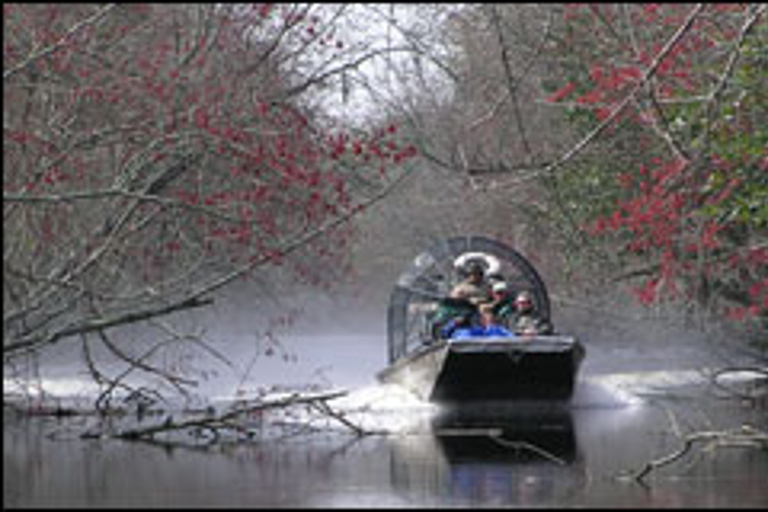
[487, 455]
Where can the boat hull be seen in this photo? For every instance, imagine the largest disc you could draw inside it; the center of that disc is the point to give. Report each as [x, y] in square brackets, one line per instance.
[519, 368]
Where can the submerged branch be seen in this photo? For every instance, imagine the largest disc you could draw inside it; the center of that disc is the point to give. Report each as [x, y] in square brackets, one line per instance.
[525, 445]
[744, 437]
[215, 423]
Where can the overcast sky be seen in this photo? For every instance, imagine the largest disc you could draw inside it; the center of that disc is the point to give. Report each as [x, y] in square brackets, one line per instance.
[374, 27]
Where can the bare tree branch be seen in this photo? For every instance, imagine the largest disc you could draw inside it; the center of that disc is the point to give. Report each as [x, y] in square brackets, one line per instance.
[38, 54]
[97, 324]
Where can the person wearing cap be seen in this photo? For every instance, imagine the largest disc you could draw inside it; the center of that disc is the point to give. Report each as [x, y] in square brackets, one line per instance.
[525, 319]
[503, 302]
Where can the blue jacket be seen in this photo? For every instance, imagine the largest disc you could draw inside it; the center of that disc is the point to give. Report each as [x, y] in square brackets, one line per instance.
[465, 333]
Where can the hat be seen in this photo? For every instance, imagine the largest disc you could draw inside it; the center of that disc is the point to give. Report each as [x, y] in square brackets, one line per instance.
[500, 286]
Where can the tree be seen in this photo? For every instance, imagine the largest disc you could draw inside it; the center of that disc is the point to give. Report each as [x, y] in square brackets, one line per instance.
[154, 154]
[684, 209]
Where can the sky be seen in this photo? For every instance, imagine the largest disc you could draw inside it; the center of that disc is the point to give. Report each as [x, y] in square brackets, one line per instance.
[382, 29]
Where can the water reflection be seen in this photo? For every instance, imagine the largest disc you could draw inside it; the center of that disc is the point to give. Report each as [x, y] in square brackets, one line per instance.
[482, 455]
[492, 453]
[507, 433]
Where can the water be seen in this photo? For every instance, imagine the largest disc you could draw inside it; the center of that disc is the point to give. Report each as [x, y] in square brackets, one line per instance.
[627, 410]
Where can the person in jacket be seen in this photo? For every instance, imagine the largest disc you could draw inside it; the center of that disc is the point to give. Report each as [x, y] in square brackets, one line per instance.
[503, 302]
[526, 320]
[488, 326]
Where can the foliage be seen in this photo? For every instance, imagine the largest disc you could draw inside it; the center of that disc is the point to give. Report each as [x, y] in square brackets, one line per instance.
[679, 180]
[154, 153]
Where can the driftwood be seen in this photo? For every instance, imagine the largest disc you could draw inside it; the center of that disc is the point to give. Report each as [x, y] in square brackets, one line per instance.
[743, 437]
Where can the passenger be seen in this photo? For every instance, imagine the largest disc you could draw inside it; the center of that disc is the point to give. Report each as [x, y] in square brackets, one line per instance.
[495, 278]
[473, 287]
[487, 316]
[461, 309]
[491, 323]
[526, 320]
[451, 316]
[489, 326]
[503, 302]
[456, 327]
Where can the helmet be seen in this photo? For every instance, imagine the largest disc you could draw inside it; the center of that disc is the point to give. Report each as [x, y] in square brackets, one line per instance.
[480, 262]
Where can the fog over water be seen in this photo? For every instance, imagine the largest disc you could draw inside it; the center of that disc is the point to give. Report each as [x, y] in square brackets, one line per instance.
[341, 343]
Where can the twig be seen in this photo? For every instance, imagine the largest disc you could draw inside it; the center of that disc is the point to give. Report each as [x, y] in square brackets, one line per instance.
[118, 381]
[61, 42]
[729, 69]
[618, 109]
[524, 445]
[512, 82]
[175, 380]
[196, 339]
[323, 407]
[100, 379]
[650, 72]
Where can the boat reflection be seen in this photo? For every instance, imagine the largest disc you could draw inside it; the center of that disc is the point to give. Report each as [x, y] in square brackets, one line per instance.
[493, 453]
[506, 432]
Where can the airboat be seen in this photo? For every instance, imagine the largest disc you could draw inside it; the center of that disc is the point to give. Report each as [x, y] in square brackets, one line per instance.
[446, 370]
